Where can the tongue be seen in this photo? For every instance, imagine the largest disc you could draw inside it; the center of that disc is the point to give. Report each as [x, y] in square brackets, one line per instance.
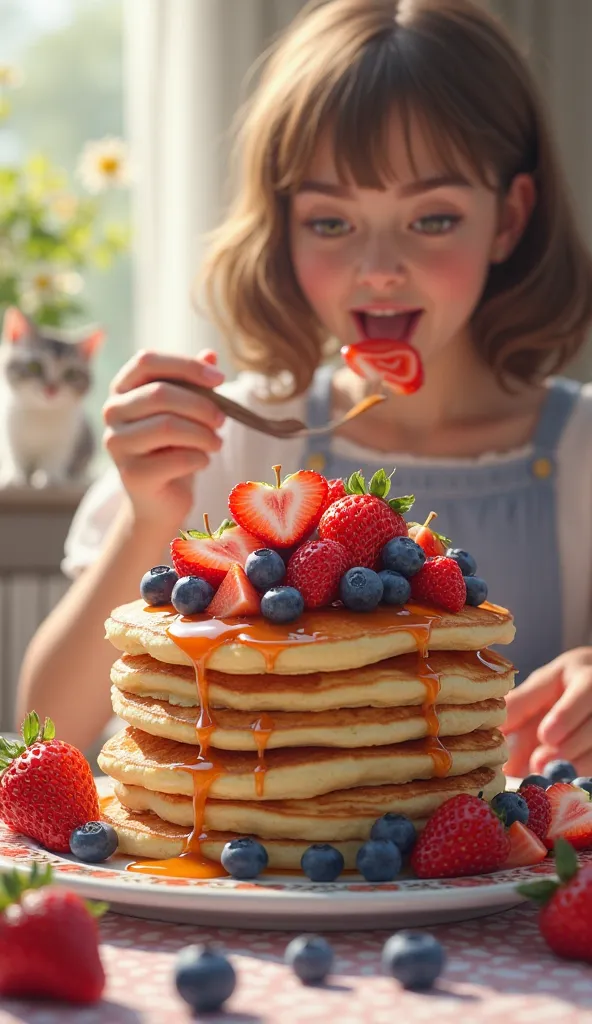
[395, 327]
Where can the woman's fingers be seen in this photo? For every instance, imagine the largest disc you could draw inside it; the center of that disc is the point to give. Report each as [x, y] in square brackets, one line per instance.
[573, 706]
[157, 398]
[147, 366]
[160, 468]
[154, 433]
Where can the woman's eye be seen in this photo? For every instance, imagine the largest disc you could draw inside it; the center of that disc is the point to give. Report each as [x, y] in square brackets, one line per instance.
[438, 224]
[329, 227]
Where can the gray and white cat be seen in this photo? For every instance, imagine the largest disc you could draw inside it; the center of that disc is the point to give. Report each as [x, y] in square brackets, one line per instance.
[45, 437]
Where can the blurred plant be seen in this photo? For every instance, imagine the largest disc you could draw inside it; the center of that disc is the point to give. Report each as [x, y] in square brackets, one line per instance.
[49, 235]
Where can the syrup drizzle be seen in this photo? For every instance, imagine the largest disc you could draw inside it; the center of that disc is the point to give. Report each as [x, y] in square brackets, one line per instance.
[200, 636]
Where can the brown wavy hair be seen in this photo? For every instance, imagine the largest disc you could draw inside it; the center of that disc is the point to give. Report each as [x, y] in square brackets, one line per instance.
[342, 66]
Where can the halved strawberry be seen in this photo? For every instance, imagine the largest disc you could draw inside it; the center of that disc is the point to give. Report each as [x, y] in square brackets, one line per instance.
[235, 596]
[431, 542]
[525, 847]
[571, 816]
[210, 555]
[283, 514]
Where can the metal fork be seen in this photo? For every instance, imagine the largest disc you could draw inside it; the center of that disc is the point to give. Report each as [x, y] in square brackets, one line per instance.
[274, 428]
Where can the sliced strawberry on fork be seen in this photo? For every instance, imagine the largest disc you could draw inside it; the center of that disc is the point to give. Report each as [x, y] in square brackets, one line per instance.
[283, 514]
[395, 363]
[571, 816]
[235, 596]
[210, 555]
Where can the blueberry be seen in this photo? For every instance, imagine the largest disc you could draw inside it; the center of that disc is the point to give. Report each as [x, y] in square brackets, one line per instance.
[465, 561]
[396, 589]
[93, 842]
[559, 771]
[511, 807]
[205, 979]
[191, 595]
[397, 829]
[310, 957]
[361, 589]
[156, 585]
[584, 782]
[402, 554]
[322, 862]
[379, 860]
[535, 780]
[476, 590]
[265, 568]
[415, 959]
[282, 604]
[244, 858]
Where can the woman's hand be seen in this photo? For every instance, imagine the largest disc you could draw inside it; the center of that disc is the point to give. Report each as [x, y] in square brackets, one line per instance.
[159, 435]
[550, 715]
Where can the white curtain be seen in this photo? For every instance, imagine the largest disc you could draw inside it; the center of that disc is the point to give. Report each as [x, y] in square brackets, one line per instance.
[187, 60]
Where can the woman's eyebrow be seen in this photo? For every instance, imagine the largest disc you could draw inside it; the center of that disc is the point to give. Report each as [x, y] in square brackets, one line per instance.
[412, 188]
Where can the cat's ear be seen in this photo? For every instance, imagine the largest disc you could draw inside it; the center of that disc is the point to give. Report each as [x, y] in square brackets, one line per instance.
[89, 346]
[16, 326]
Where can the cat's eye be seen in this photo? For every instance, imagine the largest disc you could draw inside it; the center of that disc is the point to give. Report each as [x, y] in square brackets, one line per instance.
[73, 376]
[34, 368]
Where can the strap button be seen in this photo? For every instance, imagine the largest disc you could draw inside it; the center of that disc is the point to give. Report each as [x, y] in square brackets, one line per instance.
[316, 461]
[542, 468]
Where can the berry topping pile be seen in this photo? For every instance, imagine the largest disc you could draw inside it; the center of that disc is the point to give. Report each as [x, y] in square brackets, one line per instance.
[306, 542]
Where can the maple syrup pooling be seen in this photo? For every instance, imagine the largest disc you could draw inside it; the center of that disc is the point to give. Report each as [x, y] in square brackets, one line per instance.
[199, 636]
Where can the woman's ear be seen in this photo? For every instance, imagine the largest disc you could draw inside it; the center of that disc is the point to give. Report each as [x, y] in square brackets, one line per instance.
[515, 211]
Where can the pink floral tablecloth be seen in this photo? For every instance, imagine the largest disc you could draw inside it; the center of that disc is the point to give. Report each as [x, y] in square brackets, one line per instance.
[499, 970]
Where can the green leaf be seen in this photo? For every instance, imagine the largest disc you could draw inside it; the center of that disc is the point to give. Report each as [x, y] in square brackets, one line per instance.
[566, 860]
[31, 727]
[402, 504]
[540, 892]
[226, 524]
[48, 730]
[14, 883]
[380, 484]
[356, 483]
[95, 908]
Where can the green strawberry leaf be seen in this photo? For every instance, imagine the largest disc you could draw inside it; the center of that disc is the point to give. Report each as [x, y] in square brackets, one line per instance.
[566, 860]
[356, 483]
[540, 892]
[95, 908]
[31, 728]
[227, 524]
[380, 484]
[48, 730]
[14, 883]
[402, 504]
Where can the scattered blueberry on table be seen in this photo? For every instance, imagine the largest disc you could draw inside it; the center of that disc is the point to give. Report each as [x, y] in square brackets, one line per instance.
[416, 959]
[204, 977]
[310, 957]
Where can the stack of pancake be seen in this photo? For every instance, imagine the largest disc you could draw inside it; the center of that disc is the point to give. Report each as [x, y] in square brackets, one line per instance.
[299, 734]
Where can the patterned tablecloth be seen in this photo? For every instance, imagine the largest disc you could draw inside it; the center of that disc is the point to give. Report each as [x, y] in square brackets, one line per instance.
[499, 969]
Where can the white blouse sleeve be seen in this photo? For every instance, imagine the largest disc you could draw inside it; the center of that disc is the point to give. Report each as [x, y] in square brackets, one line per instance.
[245, 455]
[574, 510]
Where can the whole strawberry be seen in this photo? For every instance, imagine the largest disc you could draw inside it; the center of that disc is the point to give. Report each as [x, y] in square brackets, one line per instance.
[565, 917]
[364, 520]
[440, 582]
[315, 569]
[463, 837]
[539, 809]
[49, 946]
[336, 490]
[46, 786]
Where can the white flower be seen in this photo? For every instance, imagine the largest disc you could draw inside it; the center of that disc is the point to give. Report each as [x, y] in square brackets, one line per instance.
[44, 283]
[102, 163]
[11, 77]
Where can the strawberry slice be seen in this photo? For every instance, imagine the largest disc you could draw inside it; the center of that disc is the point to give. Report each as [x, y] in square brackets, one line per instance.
[210, 555]
[525, 847]
[283, 514]
[431, 542]
[235, 596]
[395, 363]
[571, 816]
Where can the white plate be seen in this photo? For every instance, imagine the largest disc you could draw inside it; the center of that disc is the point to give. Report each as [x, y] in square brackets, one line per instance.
[279, 902]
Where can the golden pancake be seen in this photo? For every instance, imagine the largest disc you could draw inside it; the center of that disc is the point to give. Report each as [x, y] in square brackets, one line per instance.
[344, 815]
[330, 639]
[138, 759]
[465, 677]
[345, 728]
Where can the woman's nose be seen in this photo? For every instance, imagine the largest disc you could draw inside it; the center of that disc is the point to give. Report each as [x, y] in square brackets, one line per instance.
[381, 266]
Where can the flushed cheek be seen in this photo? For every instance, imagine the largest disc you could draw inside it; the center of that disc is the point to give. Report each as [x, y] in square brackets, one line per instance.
[456, 276]
[321, 278]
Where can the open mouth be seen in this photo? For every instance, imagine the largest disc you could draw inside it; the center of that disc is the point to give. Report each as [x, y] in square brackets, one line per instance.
[398, 325]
